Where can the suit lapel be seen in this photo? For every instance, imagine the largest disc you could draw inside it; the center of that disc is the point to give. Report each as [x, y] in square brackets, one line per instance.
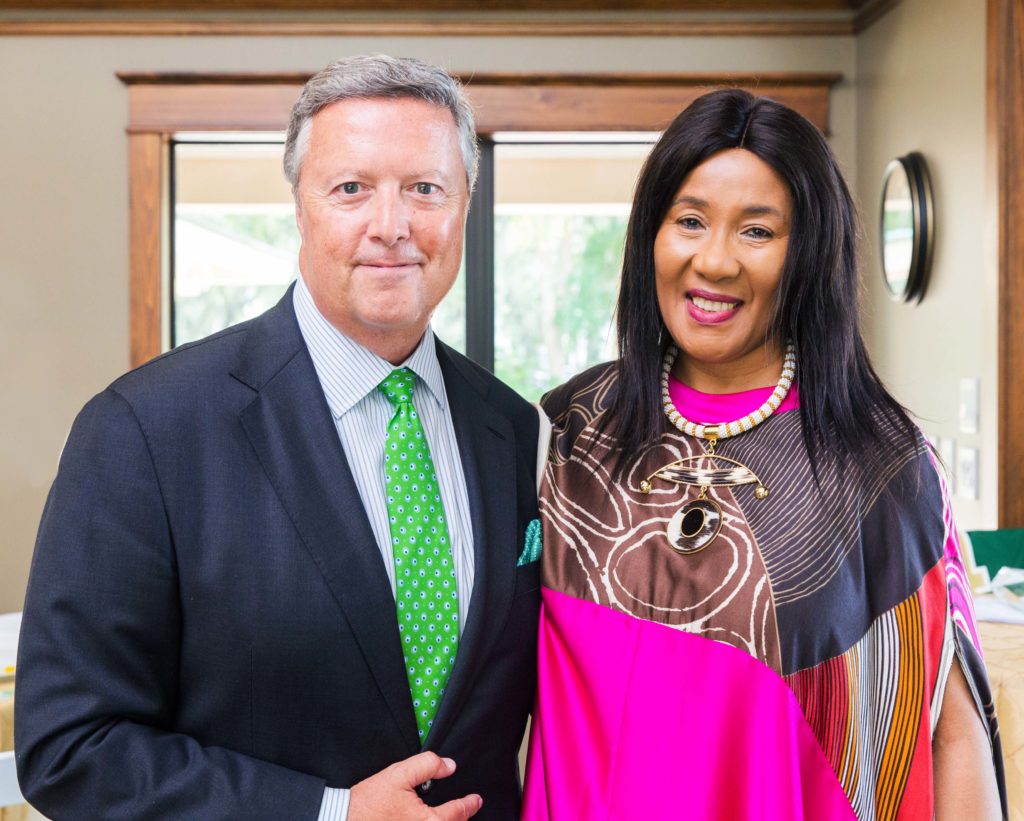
[291, 429]
[487, 452]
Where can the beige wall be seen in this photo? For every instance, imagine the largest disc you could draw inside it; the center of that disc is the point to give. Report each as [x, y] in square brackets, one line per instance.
[921, 86]
[915, 81]
[63, 202]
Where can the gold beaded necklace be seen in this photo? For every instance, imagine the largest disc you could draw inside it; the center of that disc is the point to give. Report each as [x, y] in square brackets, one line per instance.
[696, 524]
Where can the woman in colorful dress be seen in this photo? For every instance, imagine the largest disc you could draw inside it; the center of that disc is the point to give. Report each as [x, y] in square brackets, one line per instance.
[754, 605]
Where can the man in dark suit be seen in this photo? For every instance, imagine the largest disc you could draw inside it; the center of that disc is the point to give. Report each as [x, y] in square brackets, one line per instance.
[283, 572]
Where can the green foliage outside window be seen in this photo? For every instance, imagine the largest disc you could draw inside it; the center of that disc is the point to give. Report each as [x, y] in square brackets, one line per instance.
[556, 280]
[232, 267]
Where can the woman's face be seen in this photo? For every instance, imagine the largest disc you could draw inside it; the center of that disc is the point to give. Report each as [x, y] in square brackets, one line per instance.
[718, 257]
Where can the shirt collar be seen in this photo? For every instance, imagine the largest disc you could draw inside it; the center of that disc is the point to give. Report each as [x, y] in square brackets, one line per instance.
[348, 371]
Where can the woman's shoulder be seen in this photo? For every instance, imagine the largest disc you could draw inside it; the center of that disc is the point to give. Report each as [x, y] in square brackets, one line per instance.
[588, 392]
[577, 405]
[903, 474]
[905, 443]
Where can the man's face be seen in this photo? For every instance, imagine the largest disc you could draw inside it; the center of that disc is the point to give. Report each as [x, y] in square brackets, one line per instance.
[381, 208]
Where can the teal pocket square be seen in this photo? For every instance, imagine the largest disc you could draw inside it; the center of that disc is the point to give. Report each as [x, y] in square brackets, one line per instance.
[531, 552]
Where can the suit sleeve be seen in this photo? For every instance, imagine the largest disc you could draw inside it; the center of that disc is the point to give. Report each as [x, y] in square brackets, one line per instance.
[98, 655]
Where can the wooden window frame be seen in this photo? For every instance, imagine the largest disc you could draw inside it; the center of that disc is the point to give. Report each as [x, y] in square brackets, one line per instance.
[161, 105]
[1004, 187]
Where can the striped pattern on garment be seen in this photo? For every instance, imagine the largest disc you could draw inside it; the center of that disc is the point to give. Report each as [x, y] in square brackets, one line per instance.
[865, 709]
[702, 476]
[349, 375]
[334, 806]
[878, 603]
[803, 538]
[804, 545]
[607, 529]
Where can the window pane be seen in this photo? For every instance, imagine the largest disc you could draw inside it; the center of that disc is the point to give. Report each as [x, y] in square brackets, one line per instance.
[235, 241]
[449, 320]
[560, 222]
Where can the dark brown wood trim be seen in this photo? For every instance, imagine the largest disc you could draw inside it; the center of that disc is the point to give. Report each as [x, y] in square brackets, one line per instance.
[169, 108]
[495, 78]
[206, 78]
[1005, 104]
[793, 27]
[617, 108]
[145, 175]
[870, 12]
[430, 6]
[504, 102]
[161, 104]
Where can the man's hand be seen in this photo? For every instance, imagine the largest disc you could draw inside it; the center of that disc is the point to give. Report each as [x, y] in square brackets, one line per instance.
[391, 793]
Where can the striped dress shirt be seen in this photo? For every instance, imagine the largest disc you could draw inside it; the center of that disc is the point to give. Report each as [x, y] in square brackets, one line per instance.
[349, 375]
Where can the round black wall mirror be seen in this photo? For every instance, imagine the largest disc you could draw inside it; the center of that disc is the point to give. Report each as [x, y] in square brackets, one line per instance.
[907, 227]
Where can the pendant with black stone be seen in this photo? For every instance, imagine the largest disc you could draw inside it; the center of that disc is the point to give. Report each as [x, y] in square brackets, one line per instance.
[695, 525]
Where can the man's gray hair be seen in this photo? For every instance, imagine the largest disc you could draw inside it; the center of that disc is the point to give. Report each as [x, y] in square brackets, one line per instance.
[367, 76]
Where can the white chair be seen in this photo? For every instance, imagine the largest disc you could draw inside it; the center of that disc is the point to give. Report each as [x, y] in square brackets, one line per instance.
[9, 792]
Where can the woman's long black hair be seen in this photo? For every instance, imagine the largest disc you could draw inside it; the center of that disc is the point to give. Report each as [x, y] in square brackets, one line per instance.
[842, 400]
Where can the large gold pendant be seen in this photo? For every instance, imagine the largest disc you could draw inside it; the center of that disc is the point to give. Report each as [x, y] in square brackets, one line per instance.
[695, 525]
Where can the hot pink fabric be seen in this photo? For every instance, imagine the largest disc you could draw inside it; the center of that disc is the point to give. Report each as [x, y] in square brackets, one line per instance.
[636, 720]
[724, 407]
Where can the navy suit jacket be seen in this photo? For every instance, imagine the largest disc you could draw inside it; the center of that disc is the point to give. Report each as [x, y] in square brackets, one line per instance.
[209, 632]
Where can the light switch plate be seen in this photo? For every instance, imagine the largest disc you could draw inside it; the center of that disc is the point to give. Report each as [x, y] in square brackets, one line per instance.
[970, 390]
[967, 473]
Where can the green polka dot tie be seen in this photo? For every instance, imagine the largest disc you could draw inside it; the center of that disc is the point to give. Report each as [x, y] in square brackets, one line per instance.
[428, 603]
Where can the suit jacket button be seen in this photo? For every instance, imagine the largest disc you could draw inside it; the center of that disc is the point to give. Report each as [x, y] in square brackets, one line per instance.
[424, 788]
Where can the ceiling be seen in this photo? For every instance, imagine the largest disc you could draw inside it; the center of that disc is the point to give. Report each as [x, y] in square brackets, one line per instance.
[453, 17]
[426, 6]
